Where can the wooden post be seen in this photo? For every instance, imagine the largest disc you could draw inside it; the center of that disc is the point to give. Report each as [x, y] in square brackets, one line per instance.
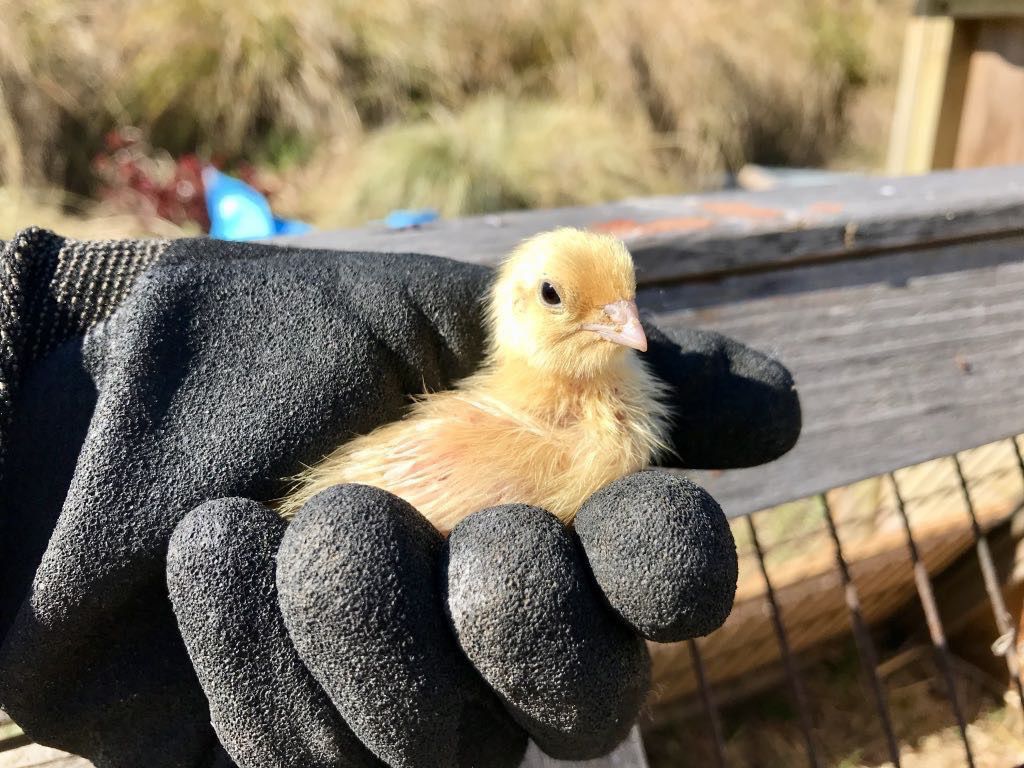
[992, 128]
[930, 96]
[953, 106]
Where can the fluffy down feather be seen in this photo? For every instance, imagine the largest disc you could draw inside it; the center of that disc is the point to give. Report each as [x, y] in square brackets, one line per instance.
[561, 406]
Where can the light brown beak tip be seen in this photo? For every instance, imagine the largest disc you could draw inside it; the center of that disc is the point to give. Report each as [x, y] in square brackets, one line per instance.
[623, 326]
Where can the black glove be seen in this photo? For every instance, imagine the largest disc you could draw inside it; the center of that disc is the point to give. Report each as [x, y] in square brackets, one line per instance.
[331, 640]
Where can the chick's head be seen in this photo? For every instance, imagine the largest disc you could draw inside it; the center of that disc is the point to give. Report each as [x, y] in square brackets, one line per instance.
[564, 302]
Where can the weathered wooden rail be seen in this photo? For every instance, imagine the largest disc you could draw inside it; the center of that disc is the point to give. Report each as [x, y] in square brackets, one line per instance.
[899, 306]
[873, 293]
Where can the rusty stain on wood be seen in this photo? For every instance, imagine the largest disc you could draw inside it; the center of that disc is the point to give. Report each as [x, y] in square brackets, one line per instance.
[627, 228]
[739, 209]
[963, 364]
[824, 207]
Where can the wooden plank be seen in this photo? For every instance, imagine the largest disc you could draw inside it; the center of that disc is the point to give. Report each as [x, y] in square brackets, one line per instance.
[951, 107]
[37, 756]
[629, 754]
[930, 95]
[992, 129]
[11, 736]
[696, 237]
[971, 9]
[895, 363]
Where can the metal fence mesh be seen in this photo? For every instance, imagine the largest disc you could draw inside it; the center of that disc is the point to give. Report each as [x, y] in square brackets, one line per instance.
[842, 565]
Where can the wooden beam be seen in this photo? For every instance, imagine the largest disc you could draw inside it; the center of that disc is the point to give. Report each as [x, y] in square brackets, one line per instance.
[971, 9]
[898, 360]
[992, 129]
[700, 237]
[930, 96]
[629, 754]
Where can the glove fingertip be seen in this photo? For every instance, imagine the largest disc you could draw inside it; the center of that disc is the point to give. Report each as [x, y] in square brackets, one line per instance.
[527, 616]
[358, 584]
[266, 708]
[741, 405]
[662, 552]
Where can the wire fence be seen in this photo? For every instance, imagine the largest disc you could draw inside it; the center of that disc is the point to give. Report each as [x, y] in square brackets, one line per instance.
[957, 500]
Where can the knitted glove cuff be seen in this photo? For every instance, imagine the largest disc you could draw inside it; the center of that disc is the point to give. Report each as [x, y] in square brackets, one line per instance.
[53, 289]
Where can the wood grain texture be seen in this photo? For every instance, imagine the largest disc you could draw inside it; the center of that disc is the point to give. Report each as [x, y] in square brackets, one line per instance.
[992, 128]
[36, 756]
[697, 237]
[896, 363]
[629, 754]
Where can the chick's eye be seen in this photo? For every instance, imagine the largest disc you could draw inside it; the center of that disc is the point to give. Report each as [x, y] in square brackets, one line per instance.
[549, 295]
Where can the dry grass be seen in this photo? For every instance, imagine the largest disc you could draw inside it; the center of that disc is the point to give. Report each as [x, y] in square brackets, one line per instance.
[624, 97]
[764, 732]
[76, 218]
[194, 74]
[495, 154]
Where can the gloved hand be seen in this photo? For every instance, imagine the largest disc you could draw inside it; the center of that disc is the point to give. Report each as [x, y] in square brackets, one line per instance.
[355, 634]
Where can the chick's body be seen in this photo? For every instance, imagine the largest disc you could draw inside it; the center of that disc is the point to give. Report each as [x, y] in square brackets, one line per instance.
[560, 408]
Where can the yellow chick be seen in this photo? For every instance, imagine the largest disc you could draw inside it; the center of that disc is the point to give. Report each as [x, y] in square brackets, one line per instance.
[560, 407]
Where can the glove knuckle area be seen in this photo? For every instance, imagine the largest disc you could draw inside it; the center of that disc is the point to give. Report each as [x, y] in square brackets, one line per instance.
[526, 614]
[265, 706]
[741, 405]
[661, 550]
[358, 577]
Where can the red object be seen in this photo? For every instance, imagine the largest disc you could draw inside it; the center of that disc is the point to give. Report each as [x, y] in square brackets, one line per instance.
[136, 179]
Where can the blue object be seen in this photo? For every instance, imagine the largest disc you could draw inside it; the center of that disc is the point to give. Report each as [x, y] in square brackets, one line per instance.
[290, 227]
[405, 219]
[239, 212]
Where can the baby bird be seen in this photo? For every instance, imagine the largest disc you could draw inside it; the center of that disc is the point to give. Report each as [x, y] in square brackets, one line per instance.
[560, 407]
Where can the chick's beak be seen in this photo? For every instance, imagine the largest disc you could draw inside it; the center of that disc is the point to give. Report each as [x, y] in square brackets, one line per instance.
[622, 325]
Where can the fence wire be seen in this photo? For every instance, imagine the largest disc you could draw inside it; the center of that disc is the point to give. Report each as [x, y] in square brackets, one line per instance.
[956, 485]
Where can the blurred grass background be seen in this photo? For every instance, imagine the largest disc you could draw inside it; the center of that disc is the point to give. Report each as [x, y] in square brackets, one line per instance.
[350, 108]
